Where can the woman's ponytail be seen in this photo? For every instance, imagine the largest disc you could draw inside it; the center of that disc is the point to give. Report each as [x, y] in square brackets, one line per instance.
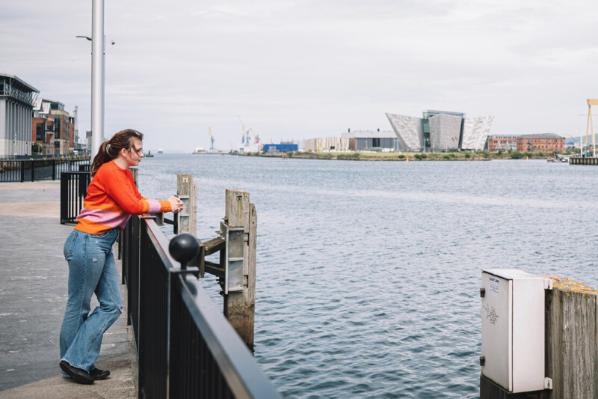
[101, 158]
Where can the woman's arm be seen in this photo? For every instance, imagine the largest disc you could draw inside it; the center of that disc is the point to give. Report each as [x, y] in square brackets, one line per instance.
[122, 190]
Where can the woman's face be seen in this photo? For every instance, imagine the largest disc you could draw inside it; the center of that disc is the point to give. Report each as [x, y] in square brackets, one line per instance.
[134, 153]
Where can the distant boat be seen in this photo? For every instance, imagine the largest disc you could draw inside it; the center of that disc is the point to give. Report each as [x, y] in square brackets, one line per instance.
[148, 154]
[199, 150]
[558, 159]
[160, 151]
[562, 158]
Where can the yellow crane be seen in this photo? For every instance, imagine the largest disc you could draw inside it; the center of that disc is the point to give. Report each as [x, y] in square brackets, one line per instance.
[590, 128]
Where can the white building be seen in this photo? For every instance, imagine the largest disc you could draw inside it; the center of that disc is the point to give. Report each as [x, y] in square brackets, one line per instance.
[16, 108]
[325, 144]
[409, 130]
[440, 131]
[475, 132]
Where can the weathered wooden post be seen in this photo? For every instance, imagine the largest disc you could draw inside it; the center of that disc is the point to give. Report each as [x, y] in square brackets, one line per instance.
[236, 245]
[572, 340]
[239, 294]
[187, 191]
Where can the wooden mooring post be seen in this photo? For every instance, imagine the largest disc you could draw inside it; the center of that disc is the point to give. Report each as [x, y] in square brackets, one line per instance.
[571, 345]
[572, 340]
[236, 244]
[239, 305]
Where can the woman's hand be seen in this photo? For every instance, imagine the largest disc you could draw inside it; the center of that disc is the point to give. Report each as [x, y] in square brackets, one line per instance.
[176, 203]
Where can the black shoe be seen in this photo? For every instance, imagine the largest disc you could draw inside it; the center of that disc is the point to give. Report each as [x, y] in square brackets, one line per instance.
[99, 374]
[80, 376]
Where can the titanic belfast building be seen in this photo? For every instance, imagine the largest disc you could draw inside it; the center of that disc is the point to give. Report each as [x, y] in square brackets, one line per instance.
[440, 131]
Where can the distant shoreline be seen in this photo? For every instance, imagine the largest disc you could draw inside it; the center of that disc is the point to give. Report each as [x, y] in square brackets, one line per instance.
[407, 156]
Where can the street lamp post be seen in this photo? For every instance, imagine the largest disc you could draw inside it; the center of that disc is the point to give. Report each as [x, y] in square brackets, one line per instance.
[88, 142]
[98, 54]
[97, 76]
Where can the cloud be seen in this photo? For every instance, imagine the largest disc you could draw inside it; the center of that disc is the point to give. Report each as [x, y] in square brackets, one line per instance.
[302, 68]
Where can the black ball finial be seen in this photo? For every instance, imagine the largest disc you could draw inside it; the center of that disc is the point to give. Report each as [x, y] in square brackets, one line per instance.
[183, 248]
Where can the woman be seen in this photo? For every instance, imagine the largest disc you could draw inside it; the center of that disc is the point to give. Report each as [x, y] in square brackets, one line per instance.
[111, 198]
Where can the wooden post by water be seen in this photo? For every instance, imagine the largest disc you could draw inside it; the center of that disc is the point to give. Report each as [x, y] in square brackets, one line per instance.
[571, 345]
[187, 192]
[239, 306]
[572, 340]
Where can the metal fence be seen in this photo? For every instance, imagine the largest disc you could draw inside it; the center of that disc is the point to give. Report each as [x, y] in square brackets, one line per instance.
[73, 188]
[21, 170]
[185, 346]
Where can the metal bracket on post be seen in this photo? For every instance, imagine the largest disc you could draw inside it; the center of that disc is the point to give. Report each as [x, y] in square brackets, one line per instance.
[234, 251]
[175, 223]
[187, 193]
[206, 248]
[182, 219]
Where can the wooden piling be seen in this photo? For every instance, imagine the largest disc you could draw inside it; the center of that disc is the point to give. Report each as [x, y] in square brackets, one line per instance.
[187, 192]
[572, 340]
[239, 306]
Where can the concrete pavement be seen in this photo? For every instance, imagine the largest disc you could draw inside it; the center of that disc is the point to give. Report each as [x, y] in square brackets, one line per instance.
[33, 279]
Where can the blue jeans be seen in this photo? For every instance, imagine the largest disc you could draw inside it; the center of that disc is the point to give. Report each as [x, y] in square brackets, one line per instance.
[91, 270]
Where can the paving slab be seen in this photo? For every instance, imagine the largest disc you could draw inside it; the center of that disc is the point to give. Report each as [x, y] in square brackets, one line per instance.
[33, 292]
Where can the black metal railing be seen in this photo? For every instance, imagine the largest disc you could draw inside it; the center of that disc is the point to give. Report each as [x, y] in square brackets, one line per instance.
[185, 346]
[73, 188]
[22, 170]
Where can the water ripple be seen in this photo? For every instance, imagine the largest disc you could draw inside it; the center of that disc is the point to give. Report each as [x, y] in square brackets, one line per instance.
[368, 272]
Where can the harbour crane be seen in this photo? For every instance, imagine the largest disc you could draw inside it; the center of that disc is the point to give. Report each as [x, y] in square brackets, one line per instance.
[211, 139]
[590, 128]
[245, 133]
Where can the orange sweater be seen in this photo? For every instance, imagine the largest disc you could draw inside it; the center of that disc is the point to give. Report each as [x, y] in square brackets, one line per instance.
[111, 199]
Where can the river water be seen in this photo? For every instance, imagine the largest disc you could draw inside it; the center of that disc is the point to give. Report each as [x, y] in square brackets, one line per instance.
[368, 272]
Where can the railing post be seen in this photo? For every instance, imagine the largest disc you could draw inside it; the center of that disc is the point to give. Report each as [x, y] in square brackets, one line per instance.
[239, 306]
[22, 171]
[134, 171]
[185, 347]
[32, 170]
[63, 198]
[153, 312]
[53, 169]
[183, 248]
[73, 188]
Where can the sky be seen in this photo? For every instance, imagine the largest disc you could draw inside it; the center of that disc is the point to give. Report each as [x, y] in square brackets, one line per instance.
[290, 70]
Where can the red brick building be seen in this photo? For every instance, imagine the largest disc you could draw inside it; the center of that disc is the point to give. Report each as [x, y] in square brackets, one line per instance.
[544, 142]
[53, 129]
[502, 143]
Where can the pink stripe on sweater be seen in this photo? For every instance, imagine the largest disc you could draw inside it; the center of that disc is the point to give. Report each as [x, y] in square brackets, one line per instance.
[106, 218]
[154, 206]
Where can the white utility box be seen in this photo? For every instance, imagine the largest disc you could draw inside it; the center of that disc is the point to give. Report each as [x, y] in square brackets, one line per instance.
[513, 329]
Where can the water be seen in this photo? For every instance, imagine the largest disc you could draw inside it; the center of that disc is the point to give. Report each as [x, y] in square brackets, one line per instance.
[368, 272]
